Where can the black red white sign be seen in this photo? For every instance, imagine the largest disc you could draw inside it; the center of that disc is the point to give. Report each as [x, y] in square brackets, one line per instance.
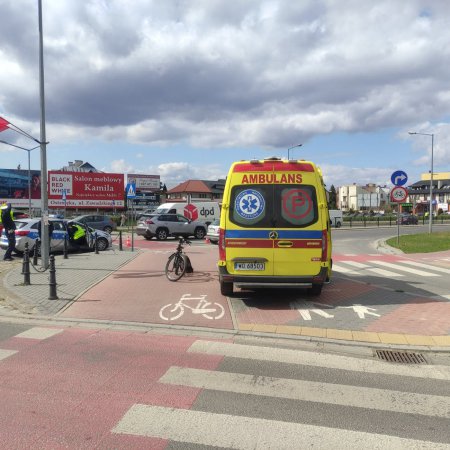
[398, 194]
[85, 189]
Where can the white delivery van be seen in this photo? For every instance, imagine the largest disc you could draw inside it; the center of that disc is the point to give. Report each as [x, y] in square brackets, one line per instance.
[336, 217]
[203, 211]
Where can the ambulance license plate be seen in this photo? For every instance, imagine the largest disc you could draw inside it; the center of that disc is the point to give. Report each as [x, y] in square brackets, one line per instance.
[249, 266]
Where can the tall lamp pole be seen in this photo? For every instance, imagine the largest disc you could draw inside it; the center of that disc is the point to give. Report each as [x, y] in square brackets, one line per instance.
[430, 224]
[29, 150]
[294, 146]
[45, 247]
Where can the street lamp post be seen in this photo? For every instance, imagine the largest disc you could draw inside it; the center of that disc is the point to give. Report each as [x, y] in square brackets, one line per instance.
[294, 146]
[430, 224]
[29, 150]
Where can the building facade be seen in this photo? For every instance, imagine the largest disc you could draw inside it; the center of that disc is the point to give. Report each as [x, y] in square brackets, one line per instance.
[363, 198]
[419, 193]
[197, 190]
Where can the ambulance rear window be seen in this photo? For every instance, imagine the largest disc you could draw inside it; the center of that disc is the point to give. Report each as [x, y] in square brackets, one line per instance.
[268, 206]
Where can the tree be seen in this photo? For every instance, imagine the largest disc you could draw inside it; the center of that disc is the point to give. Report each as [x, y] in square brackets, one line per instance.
[332, 203]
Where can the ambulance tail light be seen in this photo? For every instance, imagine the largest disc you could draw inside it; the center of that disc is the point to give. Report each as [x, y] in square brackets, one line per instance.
[324, 246]
[222, 250]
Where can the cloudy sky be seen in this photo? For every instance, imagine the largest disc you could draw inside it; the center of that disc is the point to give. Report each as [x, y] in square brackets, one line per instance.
[182, 88]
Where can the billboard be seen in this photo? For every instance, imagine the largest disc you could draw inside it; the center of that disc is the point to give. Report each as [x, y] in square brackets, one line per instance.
[144, 183]
[14, 187]
[85, 190]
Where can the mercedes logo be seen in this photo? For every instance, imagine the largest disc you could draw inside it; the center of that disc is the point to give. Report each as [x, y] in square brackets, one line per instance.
[273, 235]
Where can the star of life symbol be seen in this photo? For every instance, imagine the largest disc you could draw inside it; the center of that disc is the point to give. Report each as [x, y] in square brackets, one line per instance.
[306, 308]
[249, 204]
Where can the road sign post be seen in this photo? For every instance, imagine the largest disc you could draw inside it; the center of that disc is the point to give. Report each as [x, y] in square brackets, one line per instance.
[131, 194]
[398, 195]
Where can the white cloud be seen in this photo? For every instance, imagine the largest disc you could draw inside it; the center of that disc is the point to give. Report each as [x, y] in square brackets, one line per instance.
[225, 75]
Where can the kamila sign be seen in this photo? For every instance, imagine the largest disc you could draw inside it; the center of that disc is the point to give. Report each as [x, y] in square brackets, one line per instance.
[85, 189]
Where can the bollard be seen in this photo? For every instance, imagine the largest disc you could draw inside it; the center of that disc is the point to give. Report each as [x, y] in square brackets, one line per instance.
[36, 251]
[52, 279]
[120, 241]
[96, 243]
[26, 266]
[66, 256]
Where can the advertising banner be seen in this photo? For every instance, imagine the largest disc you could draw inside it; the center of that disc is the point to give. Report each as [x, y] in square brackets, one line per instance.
[144, 183]
[85, 190]
[14, 187]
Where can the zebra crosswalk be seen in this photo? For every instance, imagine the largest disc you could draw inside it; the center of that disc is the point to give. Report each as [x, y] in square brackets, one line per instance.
[397, 269]
[271, 398]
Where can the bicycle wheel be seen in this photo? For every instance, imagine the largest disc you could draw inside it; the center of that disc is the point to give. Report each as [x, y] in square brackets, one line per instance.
[175, 266]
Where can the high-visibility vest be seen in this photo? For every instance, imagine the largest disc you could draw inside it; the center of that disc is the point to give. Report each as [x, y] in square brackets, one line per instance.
[10, 213]
[79, 233]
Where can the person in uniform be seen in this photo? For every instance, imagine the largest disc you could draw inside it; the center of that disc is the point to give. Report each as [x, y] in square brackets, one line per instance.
[10, 227]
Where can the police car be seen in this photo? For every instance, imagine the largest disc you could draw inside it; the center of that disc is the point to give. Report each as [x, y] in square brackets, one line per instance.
[27, 230]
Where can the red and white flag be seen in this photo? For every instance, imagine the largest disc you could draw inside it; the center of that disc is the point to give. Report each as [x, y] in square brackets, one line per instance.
[4, 124]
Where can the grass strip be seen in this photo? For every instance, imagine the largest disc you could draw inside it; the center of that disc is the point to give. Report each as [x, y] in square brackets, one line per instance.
[421, 243]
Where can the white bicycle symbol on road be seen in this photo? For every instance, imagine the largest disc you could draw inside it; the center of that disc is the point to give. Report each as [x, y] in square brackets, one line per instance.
[212, 311]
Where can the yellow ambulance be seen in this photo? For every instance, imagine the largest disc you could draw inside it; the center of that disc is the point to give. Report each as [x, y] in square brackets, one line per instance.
[274, 227]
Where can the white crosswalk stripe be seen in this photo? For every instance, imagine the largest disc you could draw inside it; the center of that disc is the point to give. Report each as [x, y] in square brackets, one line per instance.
[384, 273]
[306, 358]
[405, 269]
[241, 427]
[425, 266]
[249, 433]
[310, 391]
[395, 272]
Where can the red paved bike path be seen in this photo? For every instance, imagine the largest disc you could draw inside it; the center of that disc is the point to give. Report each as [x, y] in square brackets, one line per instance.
[71, 389]
[138, 291]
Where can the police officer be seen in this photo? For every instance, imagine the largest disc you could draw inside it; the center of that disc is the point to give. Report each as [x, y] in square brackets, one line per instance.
[77, 233]
[10, 227]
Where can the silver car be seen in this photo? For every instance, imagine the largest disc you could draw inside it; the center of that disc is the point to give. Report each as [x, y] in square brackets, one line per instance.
[162, 226]
[213, 232]
[27, 230]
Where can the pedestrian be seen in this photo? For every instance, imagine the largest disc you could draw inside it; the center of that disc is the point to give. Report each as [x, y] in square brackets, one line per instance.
[10, 227]
[123, 219]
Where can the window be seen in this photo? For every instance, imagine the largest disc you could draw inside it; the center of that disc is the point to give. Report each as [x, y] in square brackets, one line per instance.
[268, 206]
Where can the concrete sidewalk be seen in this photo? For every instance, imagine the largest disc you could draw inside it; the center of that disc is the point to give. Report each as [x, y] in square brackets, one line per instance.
[74, 275]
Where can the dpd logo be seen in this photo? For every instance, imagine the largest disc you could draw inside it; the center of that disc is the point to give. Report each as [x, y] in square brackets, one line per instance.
[191, 212]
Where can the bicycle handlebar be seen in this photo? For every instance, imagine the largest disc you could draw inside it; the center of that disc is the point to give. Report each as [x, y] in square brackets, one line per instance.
[183, 240]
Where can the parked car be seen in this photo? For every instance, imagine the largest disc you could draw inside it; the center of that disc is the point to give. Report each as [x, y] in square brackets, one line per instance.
[162, 226]
[213, 232]
[98, 222]
[28, 231]
[408, 219]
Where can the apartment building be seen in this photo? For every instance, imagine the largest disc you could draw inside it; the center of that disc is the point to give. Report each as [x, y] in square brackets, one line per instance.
[363, 198]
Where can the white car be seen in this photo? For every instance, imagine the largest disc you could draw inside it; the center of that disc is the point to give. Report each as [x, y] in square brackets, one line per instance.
[27, 230]
[213, 232]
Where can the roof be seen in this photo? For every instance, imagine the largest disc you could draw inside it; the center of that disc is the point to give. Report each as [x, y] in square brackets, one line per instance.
[190, 186]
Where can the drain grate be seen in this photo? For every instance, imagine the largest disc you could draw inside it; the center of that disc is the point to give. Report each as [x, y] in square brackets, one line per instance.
[401, 357]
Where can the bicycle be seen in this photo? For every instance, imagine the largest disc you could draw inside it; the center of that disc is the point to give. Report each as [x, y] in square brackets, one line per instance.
[178, 262]
[174, 311]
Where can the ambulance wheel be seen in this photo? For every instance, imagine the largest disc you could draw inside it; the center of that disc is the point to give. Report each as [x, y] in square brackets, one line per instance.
[315, 290]
[226, 288]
